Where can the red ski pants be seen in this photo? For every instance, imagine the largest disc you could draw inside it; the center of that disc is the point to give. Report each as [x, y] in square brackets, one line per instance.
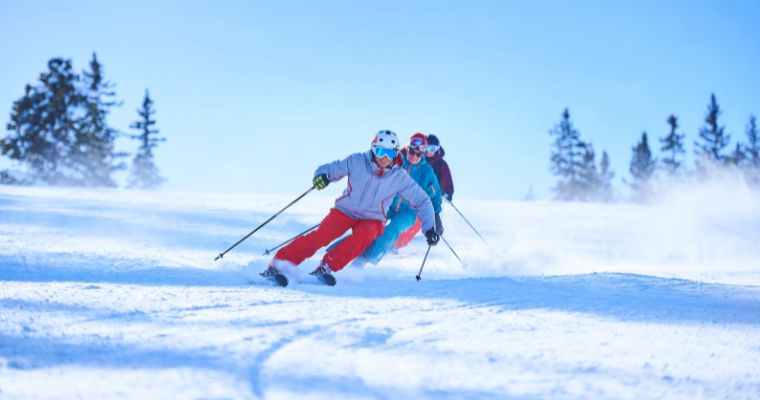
[335, 224]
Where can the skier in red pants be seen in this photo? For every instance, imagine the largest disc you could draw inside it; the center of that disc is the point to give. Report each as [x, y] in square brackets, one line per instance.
[374, 179]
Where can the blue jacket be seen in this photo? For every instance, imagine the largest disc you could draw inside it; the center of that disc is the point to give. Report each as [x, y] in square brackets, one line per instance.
[423, 174]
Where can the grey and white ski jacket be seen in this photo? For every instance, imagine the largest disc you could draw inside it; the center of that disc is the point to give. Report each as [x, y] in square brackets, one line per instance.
[371, 189]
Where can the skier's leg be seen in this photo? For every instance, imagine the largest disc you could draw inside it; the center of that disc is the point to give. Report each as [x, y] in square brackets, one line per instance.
[381, 245]
[406, 236]
[334, 225]
[363, 233]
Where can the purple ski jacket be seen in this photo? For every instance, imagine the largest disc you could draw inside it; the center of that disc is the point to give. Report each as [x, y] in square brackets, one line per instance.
[371, 190]
[442, 171]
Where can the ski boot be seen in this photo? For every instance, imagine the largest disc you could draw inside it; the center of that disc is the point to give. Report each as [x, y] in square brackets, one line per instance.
[275, 276]
[324, 274]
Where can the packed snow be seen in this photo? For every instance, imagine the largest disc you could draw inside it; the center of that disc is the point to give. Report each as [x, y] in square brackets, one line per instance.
[115, 294]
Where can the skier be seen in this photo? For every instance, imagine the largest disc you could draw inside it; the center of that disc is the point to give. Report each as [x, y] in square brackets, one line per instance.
[402, 215]
[374, 179]
[435, 155]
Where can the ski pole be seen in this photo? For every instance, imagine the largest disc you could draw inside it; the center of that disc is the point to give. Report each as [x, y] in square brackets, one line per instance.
[266, 252]
[423, 263]
[468, 223]
[265, 222]
[452, 250]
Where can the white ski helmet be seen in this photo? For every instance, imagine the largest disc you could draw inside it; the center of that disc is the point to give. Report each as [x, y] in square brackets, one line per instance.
[386, 139]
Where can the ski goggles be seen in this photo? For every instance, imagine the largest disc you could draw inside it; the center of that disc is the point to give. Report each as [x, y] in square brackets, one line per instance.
[417, 143]
[432, 148]
[381, 152]
[417, 152]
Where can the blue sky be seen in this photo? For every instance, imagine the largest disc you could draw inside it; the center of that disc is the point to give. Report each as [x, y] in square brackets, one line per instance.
[253, 96]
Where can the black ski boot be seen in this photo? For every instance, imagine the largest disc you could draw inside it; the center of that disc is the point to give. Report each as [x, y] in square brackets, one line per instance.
[275, 276]
[324, 274]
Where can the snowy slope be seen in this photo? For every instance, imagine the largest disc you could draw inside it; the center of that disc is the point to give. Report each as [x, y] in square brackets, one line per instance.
[115, 294]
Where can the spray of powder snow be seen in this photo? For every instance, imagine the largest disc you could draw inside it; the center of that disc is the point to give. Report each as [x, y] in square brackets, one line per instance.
[706, 231]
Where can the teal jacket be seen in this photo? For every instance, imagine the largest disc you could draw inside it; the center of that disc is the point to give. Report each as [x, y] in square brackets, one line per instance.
[423, 174]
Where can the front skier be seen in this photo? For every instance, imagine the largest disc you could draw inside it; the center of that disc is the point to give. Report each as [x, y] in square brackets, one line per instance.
[374, 180]
[403, 218]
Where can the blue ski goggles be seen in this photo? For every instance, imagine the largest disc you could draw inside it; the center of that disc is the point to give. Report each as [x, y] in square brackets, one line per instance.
[417, 144]
[381, 152]
[432, 148]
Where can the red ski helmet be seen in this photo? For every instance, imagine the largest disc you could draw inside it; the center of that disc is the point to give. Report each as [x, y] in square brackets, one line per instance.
[418, 141]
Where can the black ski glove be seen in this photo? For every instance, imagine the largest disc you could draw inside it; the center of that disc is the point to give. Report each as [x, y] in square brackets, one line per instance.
[321, 181]
[438, 224]
[432, 237]
[448, 196]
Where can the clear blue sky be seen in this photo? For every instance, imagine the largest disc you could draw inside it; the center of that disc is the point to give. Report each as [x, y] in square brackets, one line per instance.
[253, 96]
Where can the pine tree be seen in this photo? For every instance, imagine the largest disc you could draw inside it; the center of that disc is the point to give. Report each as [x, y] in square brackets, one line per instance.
[589, 175]
[144, 173]
[751, 153]
[753, 144]
[672, 144]
[567, 160]
[714, 138]
[43, 124]
[605, 191]
[642, 165]
[738, 157]
[59, 129]
[94, 157]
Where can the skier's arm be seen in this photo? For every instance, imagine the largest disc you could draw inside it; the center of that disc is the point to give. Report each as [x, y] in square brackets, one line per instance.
[447, 184]
[413, 193]
[435, 189]
[336, 170]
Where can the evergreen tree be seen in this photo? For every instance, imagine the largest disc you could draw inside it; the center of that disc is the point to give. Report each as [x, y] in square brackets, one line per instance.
[59, 130]
[642, 165]
[43, 124]
[673, 145]
[753, 144]
[750, 156]
[94, 156]
[144, 173]
[589, 175]
[737, 157]
[605, 191]
[713, 136]
[567, 160]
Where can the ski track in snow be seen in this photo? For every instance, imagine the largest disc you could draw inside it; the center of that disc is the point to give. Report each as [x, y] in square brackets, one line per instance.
[114, 294]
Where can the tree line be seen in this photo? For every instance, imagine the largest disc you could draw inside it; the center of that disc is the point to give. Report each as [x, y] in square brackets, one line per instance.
[580, 178]
[59, 132]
